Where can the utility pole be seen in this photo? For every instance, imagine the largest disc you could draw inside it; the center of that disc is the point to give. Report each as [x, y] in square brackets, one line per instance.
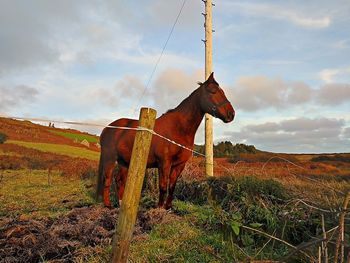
[209, 159]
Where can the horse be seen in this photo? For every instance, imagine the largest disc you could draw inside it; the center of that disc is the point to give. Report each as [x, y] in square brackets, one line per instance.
[179, 124]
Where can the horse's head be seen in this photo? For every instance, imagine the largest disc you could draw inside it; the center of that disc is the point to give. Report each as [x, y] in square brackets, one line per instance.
[214, 101]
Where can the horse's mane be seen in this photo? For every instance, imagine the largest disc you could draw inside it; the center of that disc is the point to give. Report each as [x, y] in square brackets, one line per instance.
[168, 111]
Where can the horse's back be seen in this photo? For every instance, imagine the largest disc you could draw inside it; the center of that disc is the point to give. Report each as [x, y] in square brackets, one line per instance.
[110, 134]
[125, 122]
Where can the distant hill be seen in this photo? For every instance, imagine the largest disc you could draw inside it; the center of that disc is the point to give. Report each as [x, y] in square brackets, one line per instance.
[27, 131]
[33, 146]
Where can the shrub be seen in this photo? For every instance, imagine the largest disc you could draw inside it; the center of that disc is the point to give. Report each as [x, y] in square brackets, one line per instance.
[3, 138]
[262, 157]
[11, 163]
[249, 201]
[194, 191]
[332, 158]
[227, 149]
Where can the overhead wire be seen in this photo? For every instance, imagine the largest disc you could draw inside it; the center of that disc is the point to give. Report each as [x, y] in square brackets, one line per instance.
[160, 56]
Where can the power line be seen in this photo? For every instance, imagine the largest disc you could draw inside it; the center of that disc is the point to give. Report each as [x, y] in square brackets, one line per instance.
[161, 54]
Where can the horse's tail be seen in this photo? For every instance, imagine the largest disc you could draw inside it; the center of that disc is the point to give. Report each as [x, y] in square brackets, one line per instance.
[100, 178]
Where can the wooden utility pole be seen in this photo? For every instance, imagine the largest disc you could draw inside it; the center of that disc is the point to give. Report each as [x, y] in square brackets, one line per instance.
[133, 187]
[209, 156]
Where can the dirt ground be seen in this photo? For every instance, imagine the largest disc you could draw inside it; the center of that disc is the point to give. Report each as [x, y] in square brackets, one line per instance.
[58, 240]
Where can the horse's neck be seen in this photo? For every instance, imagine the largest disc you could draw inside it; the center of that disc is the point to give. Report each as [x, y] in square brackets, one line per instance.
[190, 114]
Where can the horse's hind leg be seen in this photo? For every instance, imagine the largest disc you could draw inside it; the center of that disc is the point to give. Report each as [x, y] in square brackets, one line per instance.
[120, 179]
[109, 168]
[175, 173]
[164, 171]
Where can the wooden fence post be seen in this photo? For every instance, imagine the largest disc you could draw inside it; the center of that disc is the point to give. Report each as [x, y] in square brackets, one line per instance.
[133, 187]
[340, 240]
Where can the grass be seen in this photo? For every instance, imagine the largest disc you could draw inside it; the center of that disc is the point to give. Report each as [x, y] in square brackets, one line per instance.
[195, 232]
[76, 136]
[59, 149]
[176, 242]
[28, 194]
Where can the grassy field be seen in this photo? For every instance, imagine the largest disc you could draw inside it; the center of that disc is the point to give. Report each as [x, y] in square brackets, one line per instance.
[183, 238]
[56, 218]
[59, 149]
[195, 231]
[33, 194]
[76, 136]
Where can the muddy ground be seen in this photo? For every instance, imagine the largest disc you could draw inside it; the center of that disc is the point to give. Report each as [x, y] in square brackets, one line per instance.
[58, 240]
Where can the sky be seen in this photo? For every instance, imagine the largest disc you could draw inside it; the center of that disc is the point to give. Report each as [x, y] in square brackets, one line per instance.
[284, 65]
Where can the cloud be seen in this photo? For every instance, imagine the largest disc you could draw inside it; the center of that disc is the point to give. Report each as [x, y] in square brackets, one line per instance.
[327, 75]
[346, 133]
[166, 91]
[295, 135]
[27, 32]
[150, 58]
[254, 93]
[269, 11]
[14, 97]
[165, 12]
[172, 86]
[296, 125]
[260, 92]
[50, 33]
[333, 94]
[332, 75]
[127, 88]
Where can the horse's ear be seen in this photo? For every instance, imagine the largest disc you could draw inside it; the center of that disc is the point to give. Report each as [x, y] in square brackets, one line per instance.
[211, 84]
[211, 77]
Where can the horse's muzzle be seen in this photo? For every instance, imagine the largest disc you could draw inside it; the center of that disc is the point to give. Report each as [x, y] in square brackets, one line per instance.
[230, 116]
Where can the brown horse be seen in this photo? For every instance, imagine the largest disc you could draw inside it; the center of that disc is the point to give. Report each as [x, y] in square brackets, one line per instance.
[179, 124]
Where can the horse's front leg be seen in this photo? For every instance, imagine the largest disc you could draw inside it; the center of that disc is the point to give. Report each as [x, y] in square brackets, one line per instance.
[174, 174]
[120, 179]
[164, 171]
[108, 181]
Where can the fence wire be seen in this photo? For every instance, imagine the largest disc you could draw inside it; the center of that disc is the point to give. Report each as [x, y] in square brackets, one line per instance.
[139, 128]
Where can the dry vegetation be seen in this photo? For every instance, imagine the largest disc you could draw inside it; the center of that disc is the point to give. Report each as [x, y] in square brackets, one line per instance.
[47, 211]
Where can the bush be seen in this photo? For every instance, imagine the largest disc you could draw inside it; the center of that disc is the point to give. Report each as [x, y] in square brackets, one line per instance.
[332, 158]
[262, 157]
[11, 163]
[194, 191]
[249, 201]
[227, 149]
[3, 138]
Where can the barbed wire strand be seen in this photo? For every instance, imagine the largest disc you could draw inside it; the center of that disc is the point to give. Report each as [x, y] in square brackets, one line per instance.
[154, 133]
[139, 128]
[160, 56]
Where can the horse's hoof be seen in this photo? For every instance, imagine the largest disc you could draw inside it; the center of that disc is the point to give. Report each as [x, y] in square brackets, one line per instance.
[168, 207]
